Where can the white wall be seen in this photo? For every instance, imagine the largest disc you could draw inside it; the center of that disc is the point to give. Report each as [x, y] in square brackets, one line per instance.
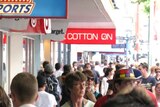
[15, 55]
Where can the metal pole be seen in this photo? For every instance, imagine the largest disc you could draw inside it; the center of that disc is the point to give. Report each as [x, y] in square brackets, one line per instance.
[149, 47]
[64, 54]
[127, 52]
[1, 59]
[69, 54]
[59, 52]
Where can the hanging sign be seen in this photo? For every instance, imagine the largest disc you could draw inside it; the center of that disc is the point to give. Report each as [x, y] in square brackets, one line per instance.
[90, 36]
[33, 8]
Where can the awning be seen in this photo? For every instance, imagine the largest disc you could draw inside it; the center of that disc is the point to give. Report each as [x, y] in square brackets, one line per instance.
[81, 13]
[13, 23]
[90, 33]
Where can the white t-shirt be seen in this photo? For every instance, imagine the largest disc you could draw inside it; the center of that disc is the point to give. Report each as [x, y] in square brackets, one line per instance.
[45, 99]
[58, 73]
[104, 86]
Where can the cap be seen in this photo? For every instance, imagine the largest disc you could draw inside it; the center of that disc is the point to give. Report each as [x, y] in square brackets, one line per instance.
[124, 74]
[137, 73]
[48, 69]
[41, 80]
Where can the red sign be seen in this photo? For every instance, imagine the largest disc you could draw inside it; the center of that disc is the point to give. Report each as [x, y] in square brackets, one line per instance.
[37, 26]
[90, 36]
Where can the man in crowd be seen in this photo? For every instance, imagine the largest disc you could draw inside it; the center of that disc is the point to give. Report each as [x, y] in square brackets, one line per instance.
[122, 78]
[148, 81]
[24, 90]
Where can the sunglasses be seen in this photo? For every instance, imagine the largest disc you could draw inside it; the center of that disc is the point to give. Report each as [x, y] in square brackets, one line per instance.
[90, 78]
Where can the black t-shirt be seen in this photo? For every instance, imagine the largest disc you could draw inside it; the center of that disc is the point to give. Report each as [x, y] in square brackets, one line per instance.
[148, 83]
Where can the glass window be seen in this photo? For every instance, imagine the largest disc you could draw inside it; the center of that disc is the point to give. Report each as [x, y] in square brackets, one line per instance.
[28, 55]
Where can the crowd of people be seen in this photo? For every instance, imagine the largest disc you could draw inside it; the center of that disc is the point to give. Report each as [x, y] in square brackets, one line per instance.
[85, 85]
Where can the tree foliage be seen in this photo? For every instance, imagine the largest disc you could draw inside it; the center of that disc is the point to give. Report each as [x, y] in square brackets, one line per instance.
[145, 3]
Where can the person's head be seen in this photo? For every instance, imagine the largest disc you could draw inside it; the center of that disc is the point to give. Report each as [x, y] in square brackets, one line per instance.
[157, 71]
[110, 64]
[157, 64]
[130, 97]
[123, 78]
[24, 89]
[90, 77]
[108, 71]
[74, 64]
[4, 99]
[41, 81]
[67, 69]
[105, 63]
[97, 63]
[80, 68]
[48, 69]
[87, 66]
[76, 83]
[45, 63]
[57, 66]
[143, 67]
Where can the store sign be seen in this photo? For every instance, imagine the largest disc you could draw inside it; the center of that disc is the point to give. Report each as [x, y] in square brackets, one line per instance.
[16, 6]
[33, 8]
[90, 36]
[37, 26]
[118, 46]
[57, 31]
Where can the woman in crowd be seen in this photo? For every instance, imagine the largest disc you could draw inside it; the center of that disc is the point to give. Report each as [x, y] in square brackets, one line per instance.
[108, 75]
[4, 99]
[76, 84]
[91, 92]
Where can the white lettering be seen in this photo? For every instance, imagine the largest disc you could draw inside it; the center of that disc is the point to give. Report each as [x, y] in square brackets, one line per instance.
[80, 36]
[106, 36]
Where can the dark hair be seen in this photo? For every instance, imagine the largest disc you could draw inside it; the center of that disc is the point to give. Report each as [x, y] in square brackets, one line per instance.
[41, 81]
[74, 62]
[136, 97]
[57, 66]
[144, 65]
[4, 99]
[107, 71]
[85, 65]
[45, 63]
[157, 64]
[66, 69]
[97, 63]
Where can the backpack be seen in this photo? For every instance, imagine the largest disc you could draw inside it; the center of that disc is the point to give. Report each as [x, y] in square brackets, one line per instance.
[52, 87]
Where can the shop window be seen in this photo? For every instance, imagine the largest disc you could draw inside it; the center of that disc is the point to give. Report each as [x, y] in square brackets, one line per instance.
[28, 55]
